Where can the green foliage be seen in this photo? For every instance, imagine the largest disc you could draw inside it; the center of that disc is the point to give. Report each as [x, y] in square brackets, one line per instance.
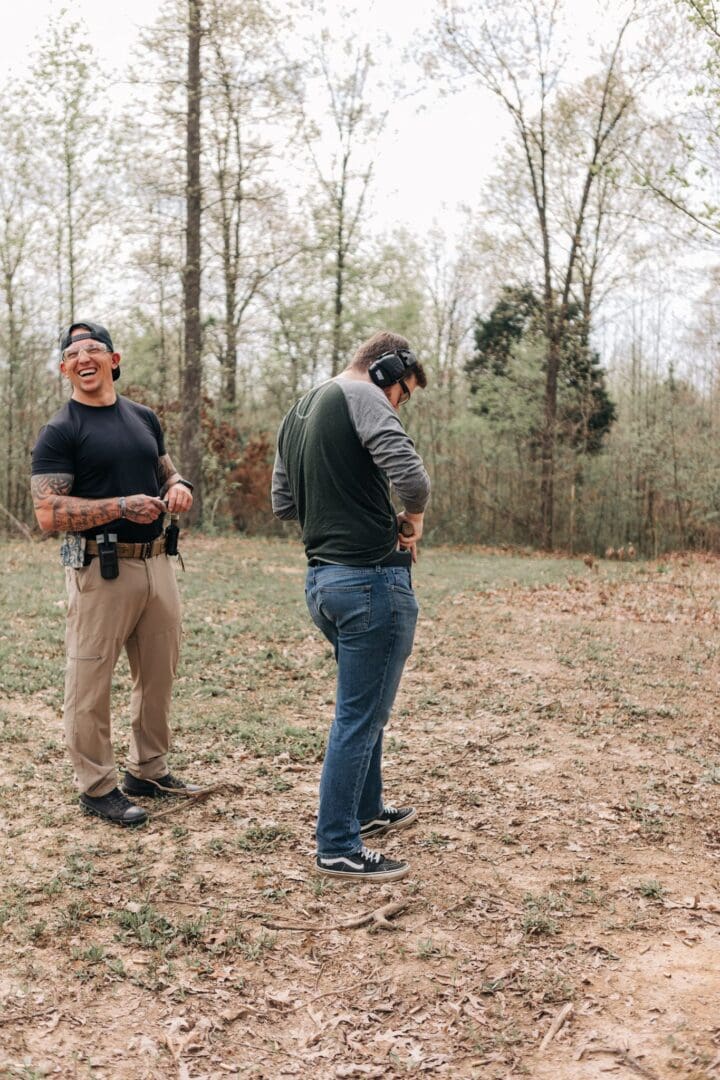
[650, 890]
[147, 927]
[515, 316]
[261, 838]
[539, 920]
[507, 373]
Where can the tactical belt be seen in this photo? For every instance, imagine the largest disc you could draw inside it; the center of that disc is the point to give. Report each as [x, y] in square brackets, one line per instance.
[132, 551]
[395, 558]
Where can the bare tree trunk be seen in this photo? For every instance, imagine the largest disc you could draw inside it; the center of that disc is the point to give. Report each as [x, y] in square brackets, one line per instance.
[69, 223]
[12, 362]
[676, 467]
[229, 352]
[162, 339]
[339, 280]
[191, 432]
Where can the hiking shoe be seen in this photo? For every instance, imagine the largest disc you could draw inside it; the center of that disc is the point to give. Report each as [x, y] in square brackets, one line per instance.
[159, 788]
[392, 817]
[362, 865]
[114, 807]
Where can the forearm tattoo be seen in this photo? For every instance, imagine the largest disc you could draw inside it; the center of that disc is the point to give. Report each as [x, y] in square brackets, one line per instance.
[168, 474]
[64, 512]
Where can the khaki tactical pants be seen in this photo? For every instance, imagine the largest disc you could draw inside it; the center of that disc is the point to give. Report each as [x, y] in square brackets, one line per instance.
[140, 611]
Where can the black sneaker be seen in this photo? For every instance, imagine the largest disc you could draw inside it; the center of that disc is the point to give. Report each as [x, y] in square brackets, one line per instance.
[363, 865]
[158, 789]
[392, 817]
[114, 807]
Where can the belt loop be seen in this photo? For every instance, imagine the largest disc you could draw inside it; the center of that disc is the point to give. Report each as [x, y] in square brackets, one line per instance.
[146, 550]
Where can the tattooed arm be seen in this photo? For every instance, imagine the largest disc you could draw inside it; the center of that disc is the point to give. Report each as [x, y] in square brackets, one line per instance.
[58, 511]
[168, 473]
[173, 490]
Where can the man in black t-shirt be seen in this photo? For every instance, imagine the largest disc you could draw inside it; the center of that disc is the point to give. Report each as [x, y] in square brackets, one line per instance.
[100, 470]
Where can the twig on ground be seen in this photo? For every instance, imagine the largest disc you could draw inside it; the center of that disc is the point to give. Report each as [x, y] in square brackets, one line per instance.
[380, 917]
[115, 902]
[174, 1052]
[327, 993]
[694, 906]
[465, 902]
[562, 1016]
[625, 1057]
[188, 797]
[9, 1018]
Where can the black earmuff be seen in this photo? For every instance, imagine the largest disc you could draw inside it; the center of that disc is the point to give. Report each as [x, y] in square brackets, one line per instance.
[391, 367]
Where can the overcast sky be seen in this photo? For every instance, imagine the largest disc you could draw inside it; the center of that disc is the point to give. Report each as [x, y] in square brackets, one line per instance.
[435, 150]
[427, 161]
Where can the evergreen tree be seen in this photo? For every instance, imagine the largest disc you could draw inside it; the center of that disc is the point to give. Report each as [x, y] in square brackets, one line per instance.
[514, 329]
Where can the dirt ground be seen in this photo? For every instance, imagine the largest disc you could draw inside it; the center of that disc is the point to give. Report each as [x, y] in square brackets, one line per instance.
[557, 731]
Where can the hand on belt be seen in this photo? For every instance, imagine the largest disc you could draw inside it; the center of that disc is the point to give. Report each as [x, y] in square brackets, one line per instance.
[132, 551]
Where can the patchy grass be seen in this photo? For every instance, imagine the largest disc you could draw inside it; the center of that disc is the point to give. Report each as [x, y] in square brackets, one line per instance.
[556, 730]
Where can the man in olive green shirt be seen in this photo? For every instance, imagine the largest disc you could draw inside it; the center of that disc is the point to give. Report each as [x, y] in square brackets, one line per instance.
[340, 448]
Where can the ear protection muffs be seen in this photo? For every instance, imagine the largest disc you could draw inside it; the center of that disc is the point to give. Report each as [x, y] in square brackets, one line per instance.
[391, 367]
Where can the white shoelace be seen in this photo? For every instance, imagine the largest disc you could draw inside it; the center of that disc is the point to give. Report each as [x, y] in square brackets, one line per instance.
[370, 856]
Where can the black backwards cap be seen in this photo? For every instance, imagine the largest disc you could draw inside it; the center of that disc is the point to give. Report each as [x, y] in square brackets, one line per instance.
[95, 332]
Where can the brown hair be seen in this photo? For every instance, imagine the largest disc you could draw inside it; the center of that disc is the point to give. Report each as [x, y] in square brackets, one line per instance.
[380, 343]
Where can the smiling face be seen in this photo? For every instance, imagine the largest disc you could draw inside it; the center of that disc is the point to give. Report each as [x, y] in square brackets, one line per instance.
[88, 367]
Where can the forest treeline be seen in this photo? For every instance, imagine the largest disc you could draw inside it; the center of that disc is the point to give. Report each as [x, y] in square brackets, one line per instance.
[214, 206]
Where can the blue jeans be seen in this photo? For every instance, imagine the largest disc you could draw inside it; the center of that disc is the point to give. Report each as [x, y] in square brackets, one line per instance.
[368, 614]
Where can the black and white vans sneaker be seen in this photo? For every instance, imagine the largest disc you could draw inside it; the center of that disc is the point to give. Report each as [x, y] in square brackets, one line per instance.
[362, 865]
[392, 817]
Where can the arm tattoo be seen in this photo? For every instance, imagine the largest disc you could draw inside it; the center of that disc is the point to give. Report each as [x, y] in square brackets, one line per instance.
[168, 473]
[50, 484]
[64, 512]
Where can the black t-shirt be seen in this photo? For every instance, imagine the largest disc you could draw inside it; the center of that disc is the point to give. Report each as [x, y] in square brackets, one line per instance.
[109, 450]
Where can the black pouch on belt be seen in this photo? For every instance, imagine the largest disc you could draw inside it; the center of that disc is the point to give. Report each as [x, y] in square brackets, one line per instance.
[172, 534]
[107, 554]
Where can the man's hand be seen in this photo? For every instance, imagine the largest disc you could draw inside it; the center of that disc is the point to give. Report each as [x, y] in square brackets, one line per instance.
[410, 530]
[143, 509]
[178, 498]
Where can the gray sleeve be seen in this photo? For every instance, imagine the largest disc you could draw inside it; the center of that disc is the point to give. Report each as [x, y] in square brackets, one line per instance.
[379, 429]
[283, 504]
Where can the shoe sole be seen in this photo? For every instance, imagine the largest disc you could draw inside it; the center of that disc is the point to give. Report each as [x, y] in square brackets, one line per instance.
[112, 821]
[351, 875]
[380, 829]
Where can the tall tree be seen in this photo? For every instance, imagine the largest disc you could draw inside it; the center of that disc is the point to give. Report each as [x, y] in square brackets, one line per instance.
[249, 93]
[20, 226]
[344, 74]
[191, 431]
[585, 410]
[514, 54]
[68, 105]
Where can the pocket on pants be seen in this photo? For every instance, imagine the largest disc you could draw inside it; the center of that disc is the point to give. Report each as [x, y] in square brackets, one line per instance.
[348, 607]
